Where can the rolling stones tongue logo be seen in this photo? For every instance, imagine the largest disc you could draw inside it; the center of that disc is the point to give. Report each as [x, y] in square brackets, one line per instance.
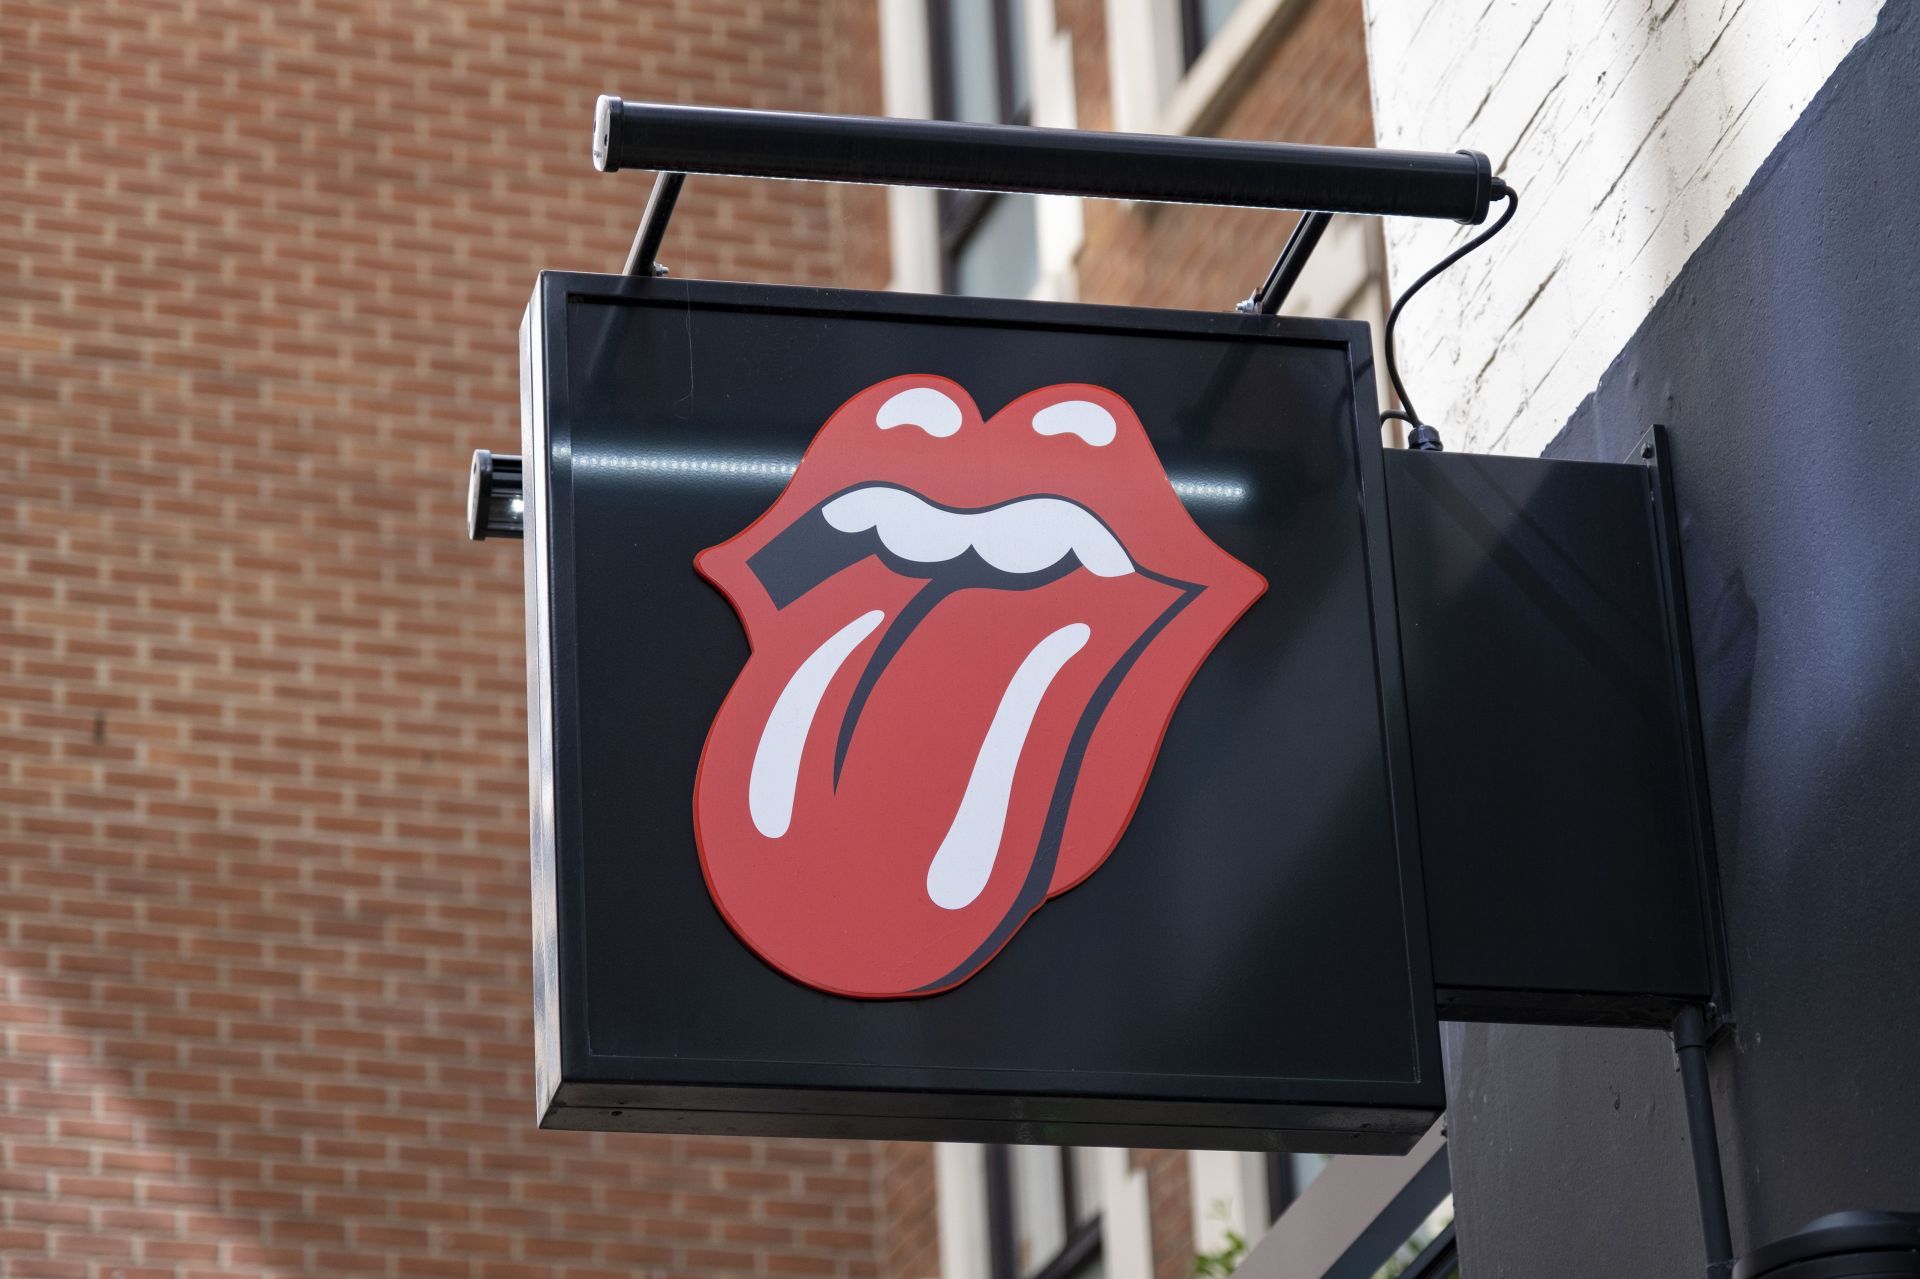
[968, 639]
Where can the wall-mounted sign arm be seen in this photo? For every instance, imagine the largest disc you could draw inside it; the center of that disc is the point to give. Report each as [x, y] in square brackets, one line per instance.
[983, 157]
[1568, 857]
[1270, 296]
[644, 257]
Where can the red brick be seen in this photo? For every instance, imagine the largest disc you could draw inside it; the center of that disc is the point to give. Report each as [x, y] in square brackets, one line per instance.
[261, 753]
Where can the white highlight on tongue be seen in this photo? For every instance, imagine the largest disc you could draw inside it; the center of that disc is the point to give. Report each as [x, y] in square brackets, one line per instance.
[776, 761]
[964, 862]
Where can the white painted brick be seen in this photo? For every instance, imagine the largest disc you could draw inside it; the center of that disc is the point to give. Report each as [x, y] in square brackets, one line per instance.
[1628, 126]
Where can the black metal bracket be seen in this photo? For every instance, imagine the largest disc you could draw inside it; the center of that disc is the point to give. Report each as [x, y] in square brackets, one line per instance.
[1541, 687]
[678, 140]
[1656, 454]
[644, 257]
[1268, 298]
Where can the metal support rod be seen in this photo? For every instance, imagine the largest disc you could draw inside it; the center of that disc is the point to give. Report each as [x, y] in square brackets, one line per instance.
[1269, 297]
[993, 157]
[644, 257]
[1690, 1046]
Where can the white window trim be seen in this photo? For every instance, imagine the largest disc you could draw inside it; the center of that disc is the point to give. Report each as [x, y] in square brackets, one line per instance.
[960, 1199]
[913, 213]
[1228, 1192]
[1063, 227]
[1143, 61]
[960, 1203]
[1126, 1230]
[1152, 93]
[906, 83]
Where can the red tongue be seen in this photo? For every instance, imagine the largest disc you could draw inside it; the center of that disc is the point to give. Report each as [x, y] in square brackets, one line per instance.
[841, 898]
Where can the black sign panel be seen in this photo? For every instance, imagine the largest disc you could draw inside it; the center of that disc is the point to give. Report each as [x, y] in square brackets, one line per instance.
[966, 720]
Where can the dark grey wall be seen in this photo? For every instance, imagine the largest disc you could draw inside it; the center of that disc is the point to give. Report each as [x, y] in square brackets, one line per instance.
[1786, 360]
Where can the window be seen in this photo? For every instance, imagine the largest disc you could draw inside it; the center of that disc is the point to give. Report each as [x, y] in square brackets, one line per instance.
[1043, 1213]
[1200, 22]
[1365, 1216]
[989, 243]
[1179, 66]
[1288, 1176]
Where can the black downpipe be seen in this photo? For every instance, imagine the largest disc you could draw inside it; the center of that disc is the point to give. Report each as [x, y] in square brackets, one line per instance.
[1690, 1046]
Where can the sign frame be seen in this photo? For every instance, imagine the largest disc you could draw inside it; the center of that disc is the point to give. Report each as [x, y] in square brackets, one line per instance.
[578, 1088]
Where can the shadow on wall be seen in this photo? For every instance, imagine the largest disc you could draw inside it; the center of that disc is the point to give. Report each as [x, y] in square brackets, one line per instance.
[1783, 361]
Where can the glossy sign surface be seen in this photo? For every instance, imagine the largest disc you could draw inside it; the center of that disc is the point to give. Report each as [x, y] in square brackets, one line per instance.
[968, 637]
[1233, 952]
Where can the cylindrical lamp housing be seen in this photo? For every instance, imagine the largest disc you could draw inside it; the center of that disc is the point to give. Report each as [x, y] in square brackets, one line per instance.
[996, 157]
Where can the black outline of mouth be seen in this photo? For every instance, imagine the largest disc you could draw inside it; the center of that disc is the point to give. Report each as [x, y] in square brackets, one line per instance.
[810, 550]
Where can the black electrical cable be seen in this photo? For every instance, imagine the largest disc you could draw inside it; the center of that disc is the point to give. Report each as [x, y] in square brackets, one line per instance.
[1423, 436]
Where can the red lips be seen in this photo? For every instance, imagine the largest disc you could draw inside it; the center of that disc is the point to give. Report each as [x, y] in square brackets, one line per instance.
[968, 639]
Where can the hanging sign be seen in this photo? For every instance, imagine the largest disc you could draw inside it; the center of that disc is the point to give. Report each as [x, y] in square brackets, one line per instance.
[963, 662]
[965, 720]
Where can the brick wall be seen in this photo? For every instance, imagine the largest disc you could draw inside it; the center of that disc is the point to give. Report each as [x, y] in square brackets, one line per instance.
[909, 1220]
[1169, 1211]
[263, 898]
[263, 991]
[1628, 128]
[1308, 85]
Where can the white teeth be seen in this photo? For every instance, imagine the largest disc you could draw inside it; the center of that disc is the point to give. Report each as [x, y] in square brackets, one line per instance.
[1021, 537]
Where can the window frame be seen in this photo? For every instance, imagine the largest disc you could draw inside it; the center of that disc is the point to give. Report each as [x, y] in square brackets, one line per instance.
[1166, 79]
[1193, 36]
[962, 212]
[1083, 1238]
[1280, 1191]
